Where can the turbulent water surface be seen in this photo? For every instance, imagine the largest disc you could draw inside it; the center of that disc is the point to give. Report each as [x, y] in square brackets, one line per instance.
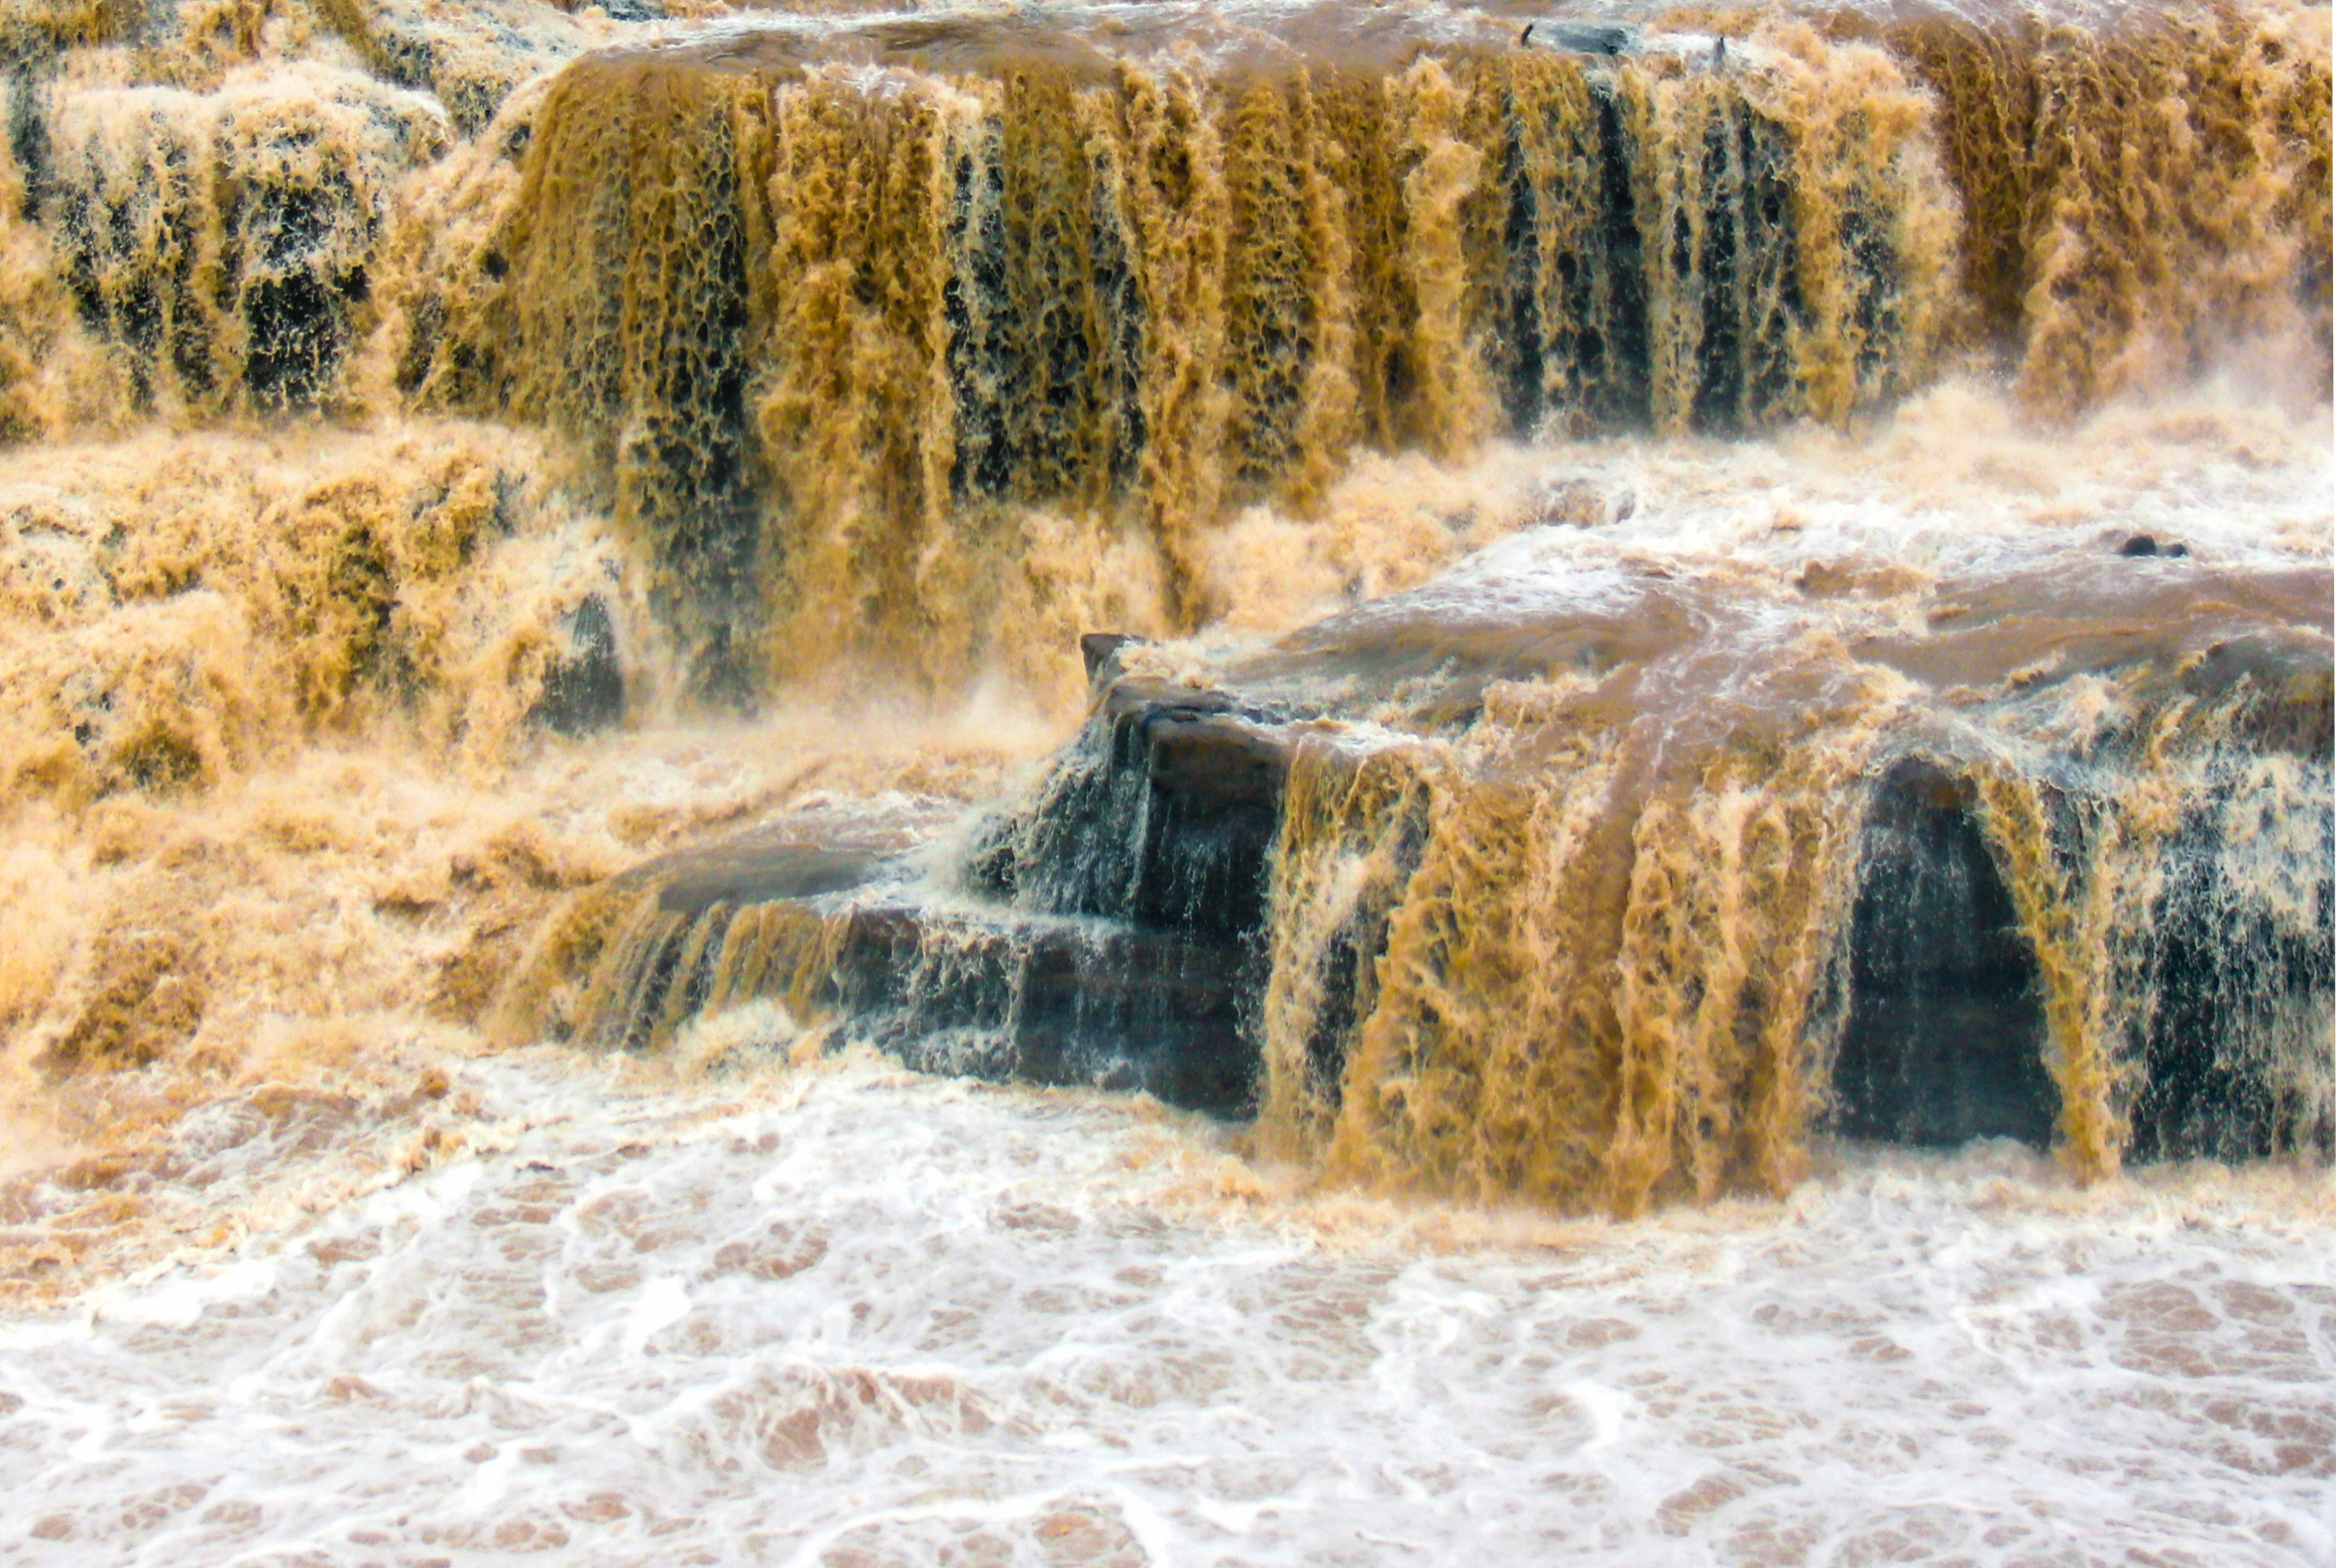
[1691, 918]
[856, 1319]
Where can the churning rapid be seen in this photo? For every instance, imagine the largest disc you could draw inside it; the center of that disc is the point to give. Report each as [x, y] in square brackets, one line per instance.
[1421, 626]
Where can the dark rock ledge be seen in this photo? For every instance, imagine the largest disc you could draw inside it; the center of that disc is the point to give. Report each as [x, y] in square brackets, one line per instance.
[1112, 930]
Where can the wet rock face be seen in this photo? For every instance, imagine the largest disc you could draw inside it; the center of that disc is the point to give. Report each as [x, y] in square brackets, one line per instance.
[1945, 1036]
[1109, 935]
[1100, 651]
[1062, 1003]
[1127, 949]
[1596, 895]
[764, 872]
[984, 990]
[1213, 806]
[1163, 815]
[1114, 932]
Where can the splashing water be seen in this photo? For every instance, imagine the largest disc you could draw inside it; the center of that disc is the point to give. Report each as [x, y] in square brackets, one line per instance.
[1741, 550]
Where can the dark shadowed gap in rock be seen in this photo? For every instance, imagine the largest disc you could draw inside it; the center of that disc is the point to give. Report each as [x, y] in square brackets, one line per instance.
[1358, 943]
[644, 998]
[28, 140]
[1119, 293]
[1614, 357]
[983, 364]
[1521, 393]
[1713, 263]
[1775, 314]
[1865, 238]
[295, 309]
[179, 279]
[584, 689]
[1945, 1036]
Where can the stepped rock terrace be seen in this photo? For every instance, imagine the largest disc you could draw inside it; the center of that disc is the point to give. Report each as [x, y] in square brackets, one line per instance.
[482, 385]
[1602, 884]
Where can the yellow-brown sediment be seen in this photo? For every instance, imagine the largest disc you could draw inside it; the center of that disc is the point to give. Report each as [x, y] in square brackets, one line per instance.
[1592, 949]
[970, 315]
[867, 368]
[1588, 958]
[176, 625]
[856, 417]
[625, 313]
[2140, 197]
[223, 242]
[778, 320]
[616, 969]
[1351, 830]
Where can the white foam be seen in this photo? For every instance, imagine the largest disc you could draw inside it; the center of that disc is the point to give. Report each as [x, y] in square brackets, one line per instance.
[855, 1315]
[179, 1300]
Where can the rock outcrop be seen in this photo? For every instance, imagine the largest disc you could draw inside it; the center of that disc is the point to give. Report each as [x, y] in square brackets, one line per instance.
[1610, 884]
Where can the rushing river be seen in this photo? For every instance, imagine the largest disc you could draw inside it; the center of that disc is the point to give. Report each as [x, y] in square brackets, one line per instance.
[1692, 920]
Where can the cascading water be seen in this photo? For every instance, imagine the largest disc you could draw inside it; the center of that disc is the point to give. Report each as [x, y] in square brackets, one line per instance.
[891, 349]
[1932, 881]
[1713, 615]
